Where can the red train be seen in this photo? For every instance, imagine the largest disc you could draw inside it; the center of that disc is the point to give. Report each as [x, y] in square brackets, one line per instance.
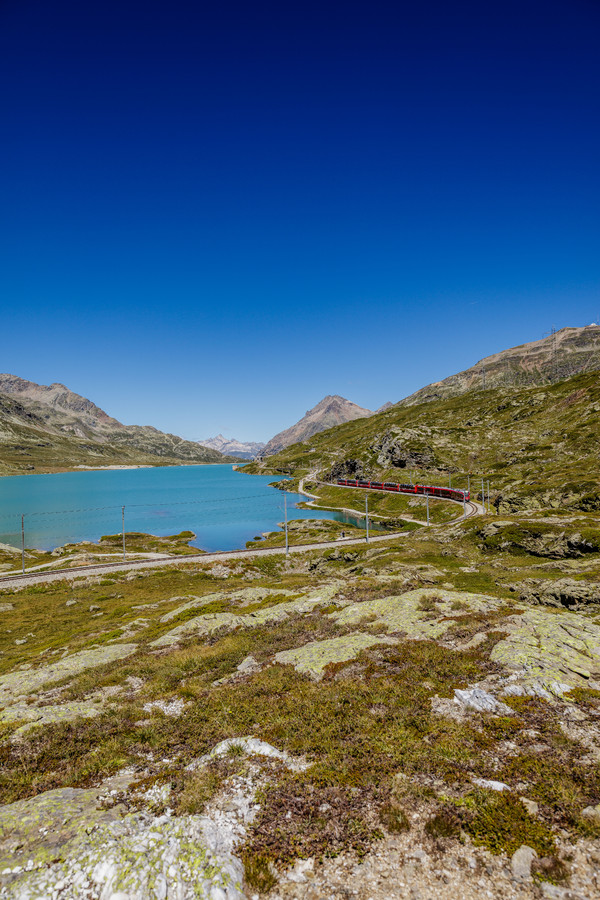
[444, 492]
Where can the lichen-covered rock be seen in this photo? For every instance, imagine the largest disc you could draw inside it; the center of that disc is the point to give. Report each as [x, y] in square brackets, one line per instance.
[549, 652]
[140, 857]
[561, 592]
[26, 681]
[61, 844]
[242, 598]
[32, 716]
[210, 622]
[198, 626]
[40, 828]
[409, 612]
[312, 658]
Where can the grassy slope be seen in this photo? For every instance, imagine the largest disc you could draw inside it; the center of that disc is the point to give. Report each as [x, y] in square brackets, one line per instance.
[383, 505]
[537, 446]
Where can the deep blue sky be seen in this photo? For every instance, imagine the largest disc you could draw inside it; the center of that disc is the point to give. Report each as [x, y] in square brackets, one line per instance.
[213, 215]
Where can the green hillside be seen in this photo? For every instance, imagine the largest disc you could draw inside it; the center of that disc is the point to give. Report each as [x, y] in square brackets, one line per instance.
[538, 447]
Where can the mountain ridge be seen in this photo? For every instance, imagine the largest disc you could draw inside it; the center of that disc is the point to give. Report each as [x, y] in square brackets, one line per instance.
[57, 396]
[233, 447]
[537, 446]
[50, 427]
[560, 354]
[331, 410]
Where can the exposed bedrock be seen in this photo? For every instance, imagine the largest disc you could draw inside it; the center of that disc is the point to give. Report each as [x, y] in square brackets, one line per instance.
[513, 499]
[345, 468]
[562, 592]
[539, 540]
[392, 450]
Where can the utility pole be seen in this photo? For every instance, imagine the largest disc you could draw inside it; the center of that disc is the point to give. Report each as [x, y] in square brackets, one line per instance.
[488, 487]
[287, 546]
[367, 514]
[482, 494]
[23, 543]
[464, 505]
[427, 498]
[469, 483]
[449, 479]
[123, 529]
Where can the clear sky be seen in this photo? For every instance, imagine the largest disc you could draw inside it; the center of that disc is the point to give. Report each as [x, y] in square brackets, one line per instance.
[212, 215]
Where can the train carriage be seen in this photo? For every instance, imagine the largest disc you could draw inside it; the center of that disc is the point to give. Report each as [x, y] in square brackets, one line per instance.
[444, 493]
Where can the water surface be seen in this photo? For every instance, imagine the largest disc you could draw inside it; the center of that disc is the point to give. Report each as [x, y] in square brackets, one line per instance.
[222, 507]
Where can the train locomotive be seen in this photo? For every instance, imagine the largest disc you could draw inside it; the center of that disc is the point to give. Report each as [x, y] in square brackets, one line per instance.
[445, 493]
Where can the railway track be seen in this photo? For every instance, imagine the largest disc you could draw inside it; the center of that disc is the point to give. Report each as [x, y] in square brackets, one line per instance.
[19, 579]
[475, 509]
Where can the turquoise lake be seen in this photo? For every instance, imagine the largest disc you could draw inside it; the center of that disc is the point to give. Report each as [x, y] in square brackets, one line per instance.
[222, 507]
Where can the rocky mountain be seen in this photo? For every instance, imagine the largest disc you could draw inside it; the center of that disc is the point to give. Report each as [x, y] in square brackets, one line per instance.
[558, 355]
[57, 397]
[49, 427]
[232, 447]
[332, 410]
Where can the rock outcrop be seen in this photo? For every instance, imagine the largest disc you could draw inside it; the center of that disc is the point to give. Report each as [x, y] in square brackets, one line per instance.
[562, 592]
[347, 468]
[539, 539]
[399, 450]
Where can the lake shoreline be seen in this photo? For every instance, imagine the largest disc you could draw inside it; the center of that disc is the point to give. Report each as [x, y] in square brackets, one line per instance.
[113, 468]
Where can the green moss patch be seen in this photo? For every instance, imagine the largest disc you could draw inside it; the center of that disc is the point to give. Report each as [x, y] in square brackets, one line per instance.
[500, 822]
